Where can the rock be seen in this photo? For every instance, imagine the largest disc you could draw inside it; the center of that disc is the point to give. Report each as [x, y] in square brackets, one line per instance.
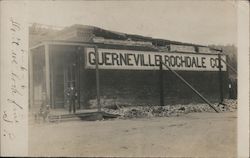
[182, 108]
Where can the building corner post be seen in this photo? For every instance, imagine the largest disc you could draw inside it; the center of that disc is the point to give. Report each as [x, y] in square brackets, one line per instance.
[47, 74]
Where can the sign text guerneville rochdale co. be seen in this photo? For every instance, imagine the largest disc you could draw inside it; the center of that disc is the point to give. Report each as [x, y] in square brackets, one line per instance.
[143, 60]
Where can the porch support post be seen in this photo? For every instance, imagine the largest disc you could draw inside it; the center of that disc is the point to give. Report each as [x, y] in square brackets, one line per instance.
[97, 79]
[220, 80]
[161, 86]
[47, 73]
[52, 74]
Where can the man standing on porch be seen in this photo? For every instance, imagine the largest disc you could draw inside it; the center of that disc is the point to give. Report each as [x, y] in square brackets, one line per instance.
[72, 94]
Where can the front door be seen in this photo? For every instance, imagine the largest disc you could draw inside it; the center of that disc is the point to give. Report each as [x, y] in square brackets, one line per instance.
[71, 77]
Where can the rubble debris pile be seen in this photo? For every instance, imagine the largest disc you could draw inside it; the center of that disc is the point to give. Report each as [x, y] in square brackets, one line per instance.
[170, 110]
[228, 105]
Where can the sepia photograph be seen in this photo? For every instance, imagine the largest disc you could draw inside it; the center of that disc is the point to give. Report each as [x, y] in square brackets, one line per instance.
[121, 78]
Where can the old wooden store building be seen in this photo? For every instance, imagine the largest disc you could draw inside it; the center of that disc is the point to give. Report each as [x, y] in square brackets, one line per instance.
[129, 69]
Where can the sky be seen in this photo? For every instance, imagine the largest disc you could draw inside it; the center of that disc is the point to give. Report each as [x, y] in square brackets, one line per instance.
[199, 22]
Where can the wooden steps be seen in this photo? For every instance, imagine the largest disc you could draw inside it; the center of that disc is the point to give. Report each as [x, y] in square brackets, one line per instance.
[87, 116]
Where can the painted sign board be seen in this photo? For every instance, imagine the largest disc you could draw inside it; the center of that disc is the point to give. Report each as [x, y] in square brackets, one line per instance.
[181, 48]
[204, 50]
[143, 60]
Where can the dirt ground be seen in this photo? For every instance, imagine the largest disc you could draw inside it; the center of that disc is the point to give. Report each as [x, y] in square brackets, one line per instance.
[189, 135]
